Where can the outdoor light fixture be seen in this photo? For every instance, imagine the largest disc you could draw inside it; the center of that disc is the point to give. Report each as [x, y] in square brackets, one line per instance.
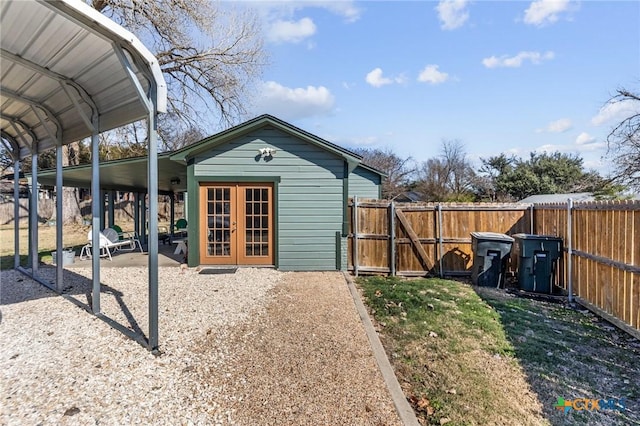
[267, 152]
[175, 181]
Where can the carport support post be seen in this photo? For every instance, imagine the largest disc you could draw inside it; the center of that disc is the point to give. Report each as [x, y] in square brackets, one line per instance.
[33, 213]
[136, 213]
[172, 214]
[16, 210]
[112, 219]
[59, 218]
[153, 229]
[96, 202]
[143, 219]
[103, 211]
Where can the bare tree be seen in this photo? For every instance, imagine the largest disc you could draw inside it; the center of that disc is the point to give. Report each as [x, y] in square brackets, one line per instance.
[450, 177]
[624, 141]
[210, 53]
[398, 170]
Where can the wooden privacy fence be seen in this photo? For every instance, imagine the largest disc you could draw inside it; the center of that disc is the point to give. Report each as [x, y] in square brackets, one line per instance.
[602, 254]
[416, 239]
[601, 244]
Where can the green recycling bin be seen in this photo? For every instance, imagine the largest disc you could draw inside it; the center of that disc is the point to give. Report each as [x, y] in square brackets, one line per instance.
[537, 261]
[490, 256]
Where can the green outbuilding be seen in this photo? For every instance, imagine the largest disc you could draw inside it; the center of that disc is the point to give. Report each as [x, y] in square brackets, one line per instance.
[268, 193]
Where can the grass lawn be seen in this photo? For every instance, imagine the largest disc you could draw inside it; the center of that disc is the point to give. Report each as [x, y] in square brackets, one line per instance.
[477, 356]
[74, 236]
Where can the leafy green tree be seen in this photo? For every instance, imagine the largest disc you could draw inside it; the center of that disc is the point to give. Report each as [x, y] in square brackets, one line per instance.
[491, 169]
[544, 173]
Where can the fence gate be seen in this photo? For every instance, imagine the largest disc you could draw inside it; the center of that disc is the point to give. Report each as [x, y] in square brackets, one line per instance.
[418, 239]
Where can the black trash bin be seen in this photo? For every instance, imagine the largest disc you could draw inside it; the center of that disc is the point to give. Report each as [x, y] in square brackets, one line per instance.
[537, 261]
[490, 256]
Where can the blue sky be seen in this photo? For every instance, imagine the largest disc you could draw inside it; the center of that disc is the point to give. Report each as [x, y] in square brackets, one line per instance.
[510, 77]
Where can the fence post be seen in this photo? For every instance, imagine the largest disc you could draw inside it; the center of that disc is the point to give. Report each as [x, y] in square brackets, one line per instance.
[569, 250]
[355, 235]
[440, 245]
[531, 219]
[392, 238]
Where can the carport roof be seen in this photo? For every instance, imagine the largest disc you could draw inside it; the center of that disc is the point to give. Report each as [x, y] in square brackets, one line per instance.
[64, 63]
[129, 174]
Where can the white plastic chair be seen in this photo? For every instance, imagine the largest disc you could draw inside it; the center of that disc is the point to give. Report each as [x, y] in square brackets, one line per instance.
[109, 240]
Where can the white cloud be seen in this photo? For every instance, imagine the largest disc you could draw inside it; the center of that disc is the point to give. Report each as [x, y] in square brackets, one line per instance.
[586, 143]
[291, 31]
[346, 9]
[452, 13]
[430, 74]
[518, 60]
[585, 138]
[615, 112]
[294, 103]
[376, 79]
[558, 126]
[542, 12]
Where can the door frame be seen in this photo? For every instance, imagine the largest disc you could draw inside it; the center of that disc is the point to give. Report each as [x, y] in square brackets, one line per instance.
[193, 207]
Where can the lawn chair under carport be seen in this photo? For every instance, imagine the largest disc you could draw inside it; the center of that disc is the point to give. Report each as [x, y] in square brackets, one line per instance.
[109, 240]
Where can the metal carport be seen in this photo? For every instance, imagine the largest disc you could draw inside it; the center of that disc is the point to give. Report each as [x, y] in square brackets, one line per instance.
[68, 73]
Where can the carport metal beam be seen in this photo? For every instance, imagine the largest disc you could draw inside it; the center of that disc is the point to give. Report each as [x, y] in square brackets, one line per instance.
[77, 17]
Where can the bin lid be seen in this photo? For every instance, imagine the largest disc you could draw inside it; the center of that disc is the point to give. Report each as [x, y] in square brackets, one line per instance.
[491, 236]
[536, 237]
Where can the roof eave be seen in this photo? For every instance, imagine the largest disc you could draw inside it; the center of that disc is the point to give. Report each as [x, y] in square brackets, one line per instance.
[184, 154]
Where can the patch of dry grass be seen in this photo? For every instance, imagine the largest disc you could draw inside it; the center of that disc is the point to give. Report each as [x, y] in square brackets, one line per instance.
[470, 355]
[73, 235]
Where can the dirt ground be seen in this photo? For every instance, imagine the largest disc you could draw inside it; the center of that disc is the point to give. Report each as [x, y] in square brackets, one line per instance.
[306, 360]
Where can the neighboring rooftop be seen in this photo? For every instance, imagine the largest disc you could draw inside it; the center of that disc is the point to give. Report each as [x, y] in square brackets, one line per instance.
[559, 198]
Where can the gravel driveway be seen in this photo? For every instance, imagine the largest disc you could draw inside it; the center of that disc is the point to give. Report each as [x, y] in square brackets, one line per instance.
[255, 347]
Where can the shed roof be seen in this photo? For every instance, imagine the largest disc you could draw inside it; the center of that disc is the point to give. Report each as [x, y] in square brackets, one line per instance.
[256, 123]
[62, 63]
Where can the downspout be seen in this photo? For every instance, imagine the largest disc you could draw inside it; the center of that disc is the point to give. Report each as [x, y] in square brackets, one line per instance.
[355, 235]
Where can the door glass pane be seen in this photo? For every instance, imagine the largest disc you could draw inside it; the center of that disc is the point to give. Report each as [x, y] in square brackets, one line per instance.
[256, 221]
[218, 222]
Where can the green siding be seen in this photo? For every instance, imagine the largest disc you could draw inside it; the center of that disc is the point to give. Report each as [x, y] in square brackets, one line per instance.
[310, 192]
[364, 183]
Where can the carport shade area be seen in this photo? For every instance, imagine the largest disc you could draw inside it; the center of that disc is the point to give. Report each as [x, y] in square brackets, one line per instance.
[69, 73]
